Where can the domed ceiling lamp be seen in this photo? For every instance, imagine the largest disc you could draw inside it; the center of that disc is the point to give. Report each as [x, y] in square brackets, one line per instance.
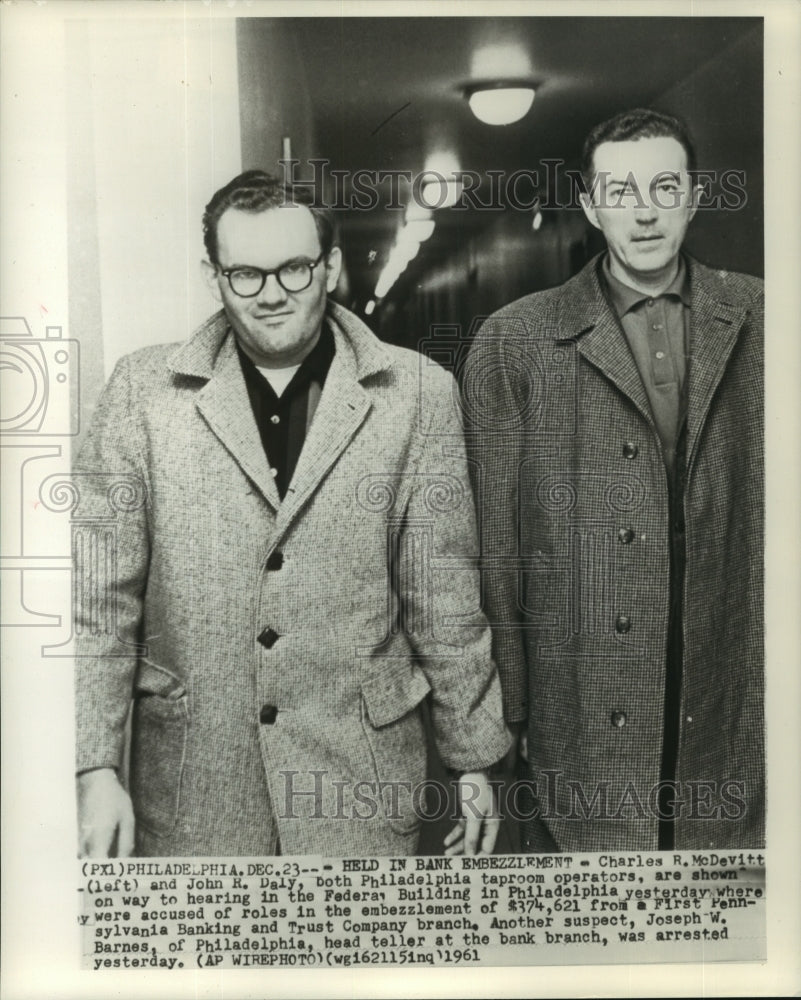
[500, 102]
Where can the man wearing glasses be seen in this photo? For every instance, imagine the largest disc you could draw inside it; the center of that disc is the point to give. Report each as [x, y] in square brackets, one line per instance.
[291, 576]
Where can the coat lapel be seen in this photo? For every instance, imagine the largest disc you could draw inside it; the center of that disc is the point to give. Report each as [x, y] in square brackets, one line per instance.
[343, 408]
[716, 319]
[224, 403]
[585, 315]
[225, 406]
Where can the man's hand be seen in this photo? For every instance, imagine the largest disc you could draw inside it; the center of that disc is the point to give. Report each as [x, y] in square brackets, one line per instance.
[105, 815]
[477, 831]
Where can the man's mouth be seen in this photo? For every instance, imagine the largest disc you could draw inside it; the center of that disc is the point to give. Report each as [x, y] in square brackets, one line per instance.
[647, 239]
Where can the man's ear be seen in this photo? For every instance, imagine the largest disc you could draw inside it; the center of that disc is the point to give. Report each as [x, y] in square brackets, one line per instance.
[210, 277]
[589, 209]
[333, 266]
[695, 198]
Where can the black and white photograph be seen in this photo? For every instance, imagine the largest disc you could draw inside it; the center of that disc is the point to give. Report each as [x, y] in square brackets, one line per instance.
[400, 488]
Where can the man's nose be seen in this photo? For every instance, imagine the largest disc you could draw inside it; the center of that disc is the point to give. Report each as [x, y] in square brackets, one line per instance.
[271, 293]
[646, 211]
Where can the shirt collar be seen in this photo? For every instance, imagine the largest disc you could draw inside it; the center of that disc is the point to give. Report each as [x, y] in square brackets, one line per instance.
[317, 362]
[624, 298]
[314, 366]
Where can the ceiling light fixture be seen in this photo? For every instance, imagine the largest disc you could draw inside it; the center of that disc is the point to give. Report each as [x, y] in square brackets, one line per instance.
[416, 212]
[407, 245]
[500, 102]
[419, 230]
[440, 193]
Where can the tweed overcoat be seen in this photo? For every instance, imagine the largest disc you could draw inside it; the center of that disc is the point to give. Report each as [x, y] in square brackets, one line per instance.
[278, 652]
[573, 505]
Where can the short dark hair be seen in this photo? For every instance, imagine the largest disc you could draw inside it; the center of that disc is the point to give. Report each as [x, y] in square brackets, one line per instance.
[639, 123]
[257, 191]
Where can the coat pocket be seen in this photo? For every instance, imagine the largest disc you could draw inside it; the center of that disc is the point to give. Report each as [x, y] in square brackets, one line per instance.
[393, 727]
[158, 750]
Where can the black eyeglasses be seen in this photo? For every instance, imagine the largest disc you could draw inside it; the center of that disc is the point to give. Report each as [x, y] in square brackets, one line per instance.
[294, 276]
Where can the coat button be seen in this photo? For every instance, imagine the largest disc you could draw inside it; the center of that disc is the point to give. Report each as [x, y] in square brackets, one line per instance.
[275, 561]
[626, 536]
[267, 715]
[618, 719]
[268, 638]
[630, 450]
[622, 624]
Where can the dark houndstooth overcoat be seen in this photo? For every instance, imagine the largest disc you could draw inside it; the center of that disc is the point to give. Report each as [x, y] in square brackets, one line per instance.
[278, 652]
[573, 508]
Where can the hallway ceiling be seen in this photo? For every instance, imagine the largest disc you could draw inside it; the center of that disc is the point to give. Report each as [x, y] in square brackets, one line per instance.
[386, 92]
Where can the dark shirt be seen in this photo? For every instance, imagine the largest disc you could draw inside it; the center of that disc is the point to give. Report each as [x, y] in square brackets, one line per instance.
[284, 420]
[657, 329]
